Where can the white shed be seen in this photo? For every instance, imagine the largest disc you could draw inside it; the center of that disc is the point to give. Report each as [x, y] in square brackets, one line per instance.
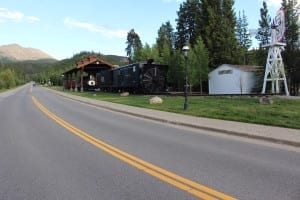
[232, 79]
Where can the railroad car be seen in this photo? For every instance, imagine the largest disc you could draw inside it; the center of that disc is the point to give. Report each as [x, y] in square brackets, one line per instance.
[138, 77]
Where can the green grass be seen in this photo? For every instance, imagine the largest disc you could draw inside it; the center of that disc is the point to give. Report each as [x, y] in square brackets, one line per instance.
[5, 89]
[283, 112]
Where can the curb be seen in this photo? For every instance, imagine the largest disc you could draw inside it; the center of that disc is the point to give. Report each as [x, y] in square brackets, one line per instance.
[227, 132]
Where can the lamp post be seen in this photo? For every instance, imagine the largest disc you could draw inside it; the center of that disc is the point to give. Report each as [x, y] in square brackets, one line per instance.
[185, 50]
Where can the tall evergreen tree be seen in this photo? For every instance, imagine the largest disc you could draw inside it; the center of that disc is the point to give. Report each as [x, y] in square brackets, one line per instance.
[172, 58]
[176, 70]
[264, 37]
[218, 30]
[211, 30]
[165, 55]
[243, 36]
[165, 37]
[264, 31]
[188, 23]
[134, 45]
[291, 24]
[229, 41]
[242, 31]
[292, 53]
[198, 62]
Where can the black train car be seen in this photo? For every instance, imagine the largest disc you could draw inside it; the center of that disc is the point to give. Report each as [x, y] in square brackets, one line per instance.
[153, 78]
[137, 77]
[104, 80]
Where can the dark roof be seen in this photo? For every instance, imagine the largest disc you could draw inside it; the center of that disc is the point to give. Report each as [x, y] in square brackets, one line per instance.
[90, 64]
[92, 59]
[246, 68]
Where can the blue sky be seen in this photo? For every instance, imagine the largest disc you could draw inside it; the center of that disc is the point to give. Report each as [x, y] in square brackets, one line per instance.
[62, 28]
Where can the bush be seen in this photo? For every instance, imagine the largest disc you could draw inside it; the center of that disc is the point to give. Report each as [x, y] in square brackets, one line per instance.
[7, 78]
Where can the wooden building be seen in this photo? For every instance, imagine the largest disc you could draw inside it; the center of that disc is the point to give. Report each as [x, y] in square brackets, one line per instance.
[88, 68]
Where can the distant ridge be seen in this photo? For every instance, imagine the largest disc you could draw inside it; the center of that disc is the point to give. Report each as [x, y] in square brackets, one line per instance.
[15, 52]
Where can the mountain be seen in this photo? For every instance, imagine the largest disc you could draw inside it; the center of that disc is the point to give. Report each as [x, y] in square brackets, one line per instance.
[15, 52]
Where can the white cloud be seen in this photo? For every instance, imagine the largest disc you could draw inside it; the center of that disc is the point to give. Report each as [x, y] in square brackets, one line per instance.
[32, 19]
[274, 3]
[6, 14]
[95, 28]
[170, 1]
[10, 15]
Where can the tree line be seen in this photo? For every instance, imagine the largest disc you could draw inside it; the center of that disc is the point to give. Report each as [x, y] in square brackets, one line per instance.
[17, 73]
[217, 35]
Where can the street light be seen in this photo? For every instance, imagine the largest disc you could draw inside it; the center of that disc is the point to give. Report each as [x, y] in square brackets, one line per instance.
[185, 50]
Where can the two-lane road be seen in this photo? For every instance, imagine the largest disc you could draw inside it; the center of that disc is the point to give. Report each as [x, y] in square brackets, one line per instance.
[55, 148]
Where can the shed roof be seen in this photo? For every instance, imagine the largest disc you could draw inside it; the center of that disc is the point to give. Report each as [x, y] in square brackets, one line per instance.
[245, 68]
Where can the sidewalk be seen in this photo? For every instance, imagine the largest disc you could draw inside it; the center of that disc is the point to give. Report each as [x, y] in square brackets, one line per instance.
[268, 133]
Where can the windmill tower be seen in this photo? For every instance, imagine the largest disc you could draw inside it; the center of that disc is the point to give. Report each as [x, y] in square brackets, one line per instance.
[274, 71]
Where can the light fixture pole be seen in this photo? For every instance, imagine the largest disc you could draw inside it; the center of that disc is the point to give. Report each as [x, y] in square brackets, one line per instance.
[185, 50]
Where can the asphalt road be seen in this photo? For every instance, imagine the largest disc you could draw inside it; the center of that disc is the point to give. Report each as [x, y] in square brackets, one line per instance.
[40, 159]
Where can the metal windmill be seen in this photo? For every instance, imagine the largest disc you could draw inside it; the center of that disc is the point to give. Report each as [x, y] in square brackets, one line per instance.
[274, 71]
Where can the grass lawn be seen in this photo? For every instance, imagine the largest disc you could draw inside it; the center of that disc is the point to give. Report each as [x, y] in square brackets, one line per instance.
[283, 112]
[5, 90]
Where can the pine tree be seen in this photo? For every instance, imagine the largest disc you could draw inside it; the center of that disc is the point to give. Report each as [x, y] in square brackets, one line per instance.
[187, 23]
[165, 55]
[264, 37]
[211, 30]
[243, 36]
[165, 36]
[264, 31]
[292, 53]
[134, 45]
[218, 31]
[229, 41]
[247, 42]
[198, 63]
[176, 72]
[239, 29]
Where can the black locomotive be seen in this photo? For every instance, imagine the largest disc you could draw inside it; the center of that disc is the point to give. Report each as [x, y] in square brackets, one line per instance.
[138, 78]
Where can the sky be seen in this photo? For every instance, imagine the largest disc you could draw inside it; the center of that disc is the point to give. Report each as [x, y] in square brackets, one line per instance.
[63, 28]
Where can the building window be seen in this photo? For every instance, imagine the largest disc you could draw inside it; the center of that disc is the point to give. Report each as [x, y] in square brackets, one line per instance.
[228, 71]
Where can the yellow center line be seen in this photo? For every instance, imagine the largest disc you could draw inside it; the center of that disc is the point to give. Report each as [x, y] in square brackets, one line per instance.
[194, 188]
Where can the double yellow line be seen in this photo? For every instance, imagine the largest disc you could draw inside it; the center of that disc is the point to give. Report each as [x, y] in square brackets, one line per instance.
[182, 183]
